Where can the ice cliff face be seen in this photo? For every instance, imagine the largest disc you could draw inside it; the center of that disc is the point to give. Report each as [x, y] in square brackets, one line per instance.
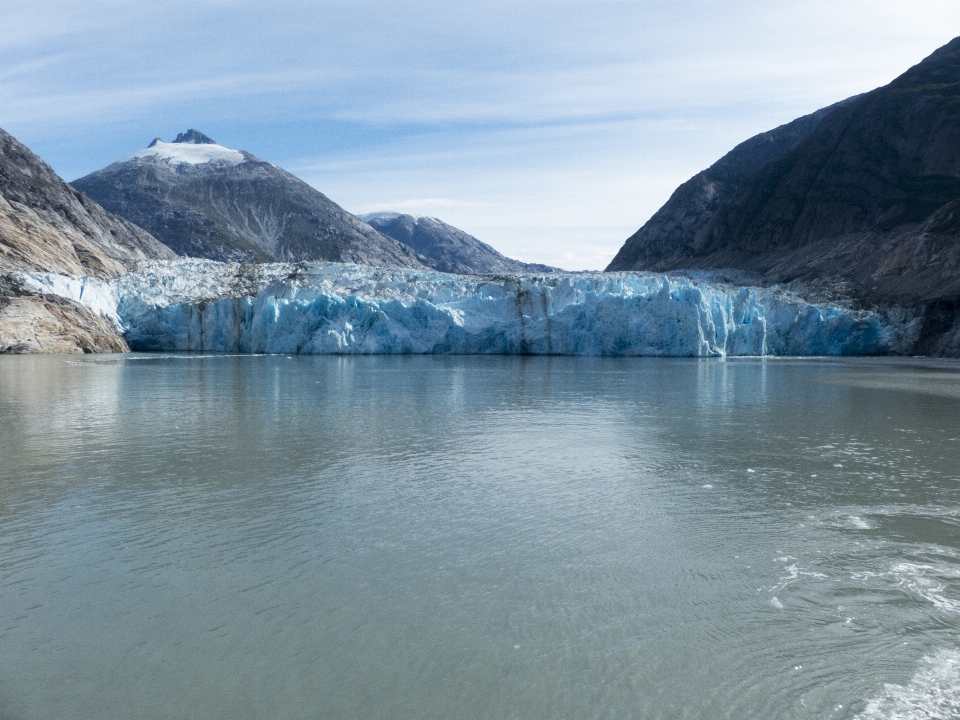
[330, 308]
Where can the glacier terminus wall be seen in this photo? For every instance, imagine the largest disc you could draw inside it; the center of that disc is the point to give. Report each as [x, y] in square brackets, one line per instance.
[331, 308]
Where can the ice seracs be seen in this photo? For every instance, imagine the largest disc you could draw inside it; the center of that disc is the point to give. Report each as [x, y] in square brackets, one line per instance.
[333, 308]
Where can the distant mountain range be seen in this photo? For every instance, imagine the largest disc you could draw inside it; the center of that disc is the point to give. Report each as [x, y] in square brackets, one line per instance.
[205, 200]
[448, 249]
[859, 200]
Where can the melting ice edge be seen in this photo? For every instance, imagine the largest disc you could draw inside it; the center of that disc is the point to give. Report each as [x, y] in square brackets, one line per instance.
[332, 308]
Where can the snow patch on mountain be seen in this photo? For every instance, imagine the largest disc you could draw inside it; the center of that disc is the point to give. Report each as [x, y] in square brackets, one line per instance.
[367, 217]
[332, 308]
[188, 153]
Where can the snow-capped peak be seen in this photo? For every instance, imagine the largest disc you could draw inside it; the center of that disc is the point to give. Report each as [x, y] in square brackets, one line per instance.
[191, 152]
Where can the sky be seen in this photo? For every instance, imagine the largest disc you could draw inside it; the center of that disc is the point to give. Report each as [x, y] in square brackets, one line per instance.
[550, 129]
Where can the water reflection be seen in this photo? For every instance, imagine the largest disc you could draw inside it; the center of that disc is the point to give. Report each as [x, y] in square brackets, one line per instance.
[473, 537]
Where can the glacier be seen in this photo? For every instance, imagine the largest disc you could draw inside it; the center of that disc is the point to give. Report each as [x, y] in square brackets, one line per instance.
[333, 308]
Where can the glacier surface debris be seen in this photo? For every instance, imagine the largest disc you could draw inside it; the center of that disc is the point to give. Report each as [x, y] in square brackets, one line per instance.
[332, 308]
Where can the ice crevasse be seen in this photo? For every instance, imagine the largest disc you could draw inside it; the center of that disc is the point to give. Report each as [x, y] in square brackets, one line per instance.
[332, 308]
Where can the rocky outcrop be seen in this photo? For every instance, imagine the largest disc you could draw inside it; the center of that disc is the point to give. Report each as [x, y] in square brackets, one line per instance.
[864, 206]
[53, 325]
[194, 137]
[46, 225]
[205, 200]
[446, 248]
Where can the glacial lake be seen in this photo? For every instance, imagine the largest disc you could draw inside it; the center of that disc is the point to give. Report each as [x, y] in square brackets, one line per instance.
[186, 536]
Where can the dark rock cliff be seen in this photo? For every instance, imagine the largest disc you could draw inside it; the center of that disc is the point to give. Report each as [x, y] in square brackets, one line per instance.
[684, 224]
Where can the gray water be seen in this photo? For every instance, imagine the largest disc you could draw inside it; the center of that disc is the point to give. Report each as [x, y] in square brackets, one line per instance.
[418, 537]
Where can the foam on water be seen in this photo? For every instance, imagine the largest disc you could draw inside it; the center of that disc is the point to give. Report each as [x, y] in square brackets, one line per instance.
[927, 582]
[794, 573]
[933, 692]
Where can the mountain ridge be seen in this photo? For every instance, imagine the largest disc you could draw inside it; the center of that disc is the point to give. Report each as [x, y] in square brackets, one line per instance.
[689, 214]
[448, 248]
[205, 200]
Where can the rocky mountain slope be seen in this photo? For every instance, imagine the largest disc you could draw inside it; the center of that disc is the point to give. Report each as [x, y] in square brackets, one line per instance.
[448, 249]
[865, 205]
[687, 219]
[47, 226]
[205, 200]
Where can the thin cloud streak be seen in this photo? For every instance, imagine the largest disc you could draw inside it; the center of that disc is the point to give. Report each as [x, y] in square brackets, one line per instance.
[86, 106]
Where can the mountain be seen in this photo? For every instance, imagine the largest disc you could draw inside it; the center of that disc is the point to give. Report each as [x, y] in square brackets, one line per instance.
[688, 217]
[866, 206]
[448, 249]
[46, 225]
[205, 200]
